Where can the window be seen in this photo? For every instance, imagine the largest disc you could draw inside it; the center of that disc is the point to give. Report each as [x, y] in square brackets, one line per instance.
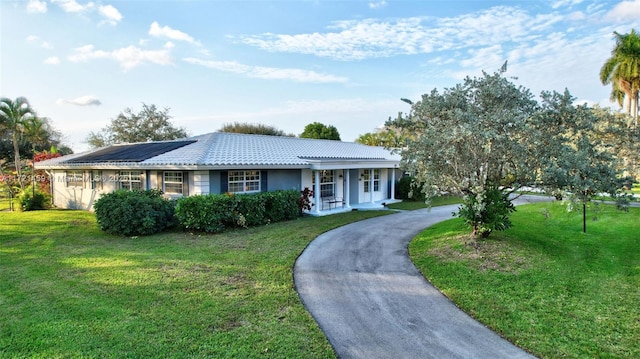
[96, 180]
[131, 180]
[327, 183]
[173, 182]
[244, 181]
[376, 180]
[74, 178]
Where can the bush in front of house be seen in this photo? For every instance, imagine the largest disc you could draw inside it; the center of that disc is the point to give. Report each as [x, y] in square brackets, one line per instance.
[134, 213]
[215, 213]
[407, 189]
[32, 200]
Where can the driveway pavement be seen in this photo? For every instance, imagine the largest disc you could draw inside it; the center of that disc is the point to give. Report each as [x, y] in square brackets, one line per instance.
[371, 302]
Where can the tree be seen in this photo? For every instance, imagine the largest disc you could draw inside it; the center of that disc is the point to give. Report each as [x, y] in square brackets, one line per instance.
[251, 128]
[150, 124]
[389, 137]
[622, 71]
[473, 139]
[320, 131]
[13, 115]
[578, 162]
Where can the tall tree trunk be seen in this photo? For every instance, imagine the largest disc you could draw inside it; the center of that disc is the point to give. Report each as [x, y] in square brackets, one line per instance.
[634, 108]
[16, 158]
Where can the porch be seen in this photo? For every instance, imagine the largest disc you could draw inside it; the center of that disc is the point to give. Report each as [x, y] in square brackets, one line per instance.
[344, 189]
[337, 208]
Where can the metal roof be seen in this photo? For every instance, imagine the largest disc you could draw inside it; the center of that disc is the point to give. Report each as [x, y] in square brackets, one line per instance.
[225, 150]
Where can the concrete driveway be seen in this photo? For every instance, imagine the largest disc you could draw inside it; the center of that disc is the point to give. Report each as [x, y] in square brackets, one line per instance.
[371, 302]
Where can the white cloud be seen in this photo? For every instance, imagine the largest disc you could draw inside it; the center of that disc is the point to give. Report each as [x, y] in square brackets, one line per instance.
[626, 10]
[35, 38]
[112, 15]
[367, 38]
[73, 5]
[81, 101]
[564, 3]
[53, 60]
[377, 5]
[128, 57]
[269, 73]
[166, 31]
[36, 6]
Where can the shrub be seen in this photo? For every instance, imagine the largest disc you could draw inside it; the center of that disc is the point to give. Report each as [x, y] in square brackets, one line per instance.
[486, 211]
[208, 213]
[132, 213]
[407, 189]
[218, 212]
[30, 200]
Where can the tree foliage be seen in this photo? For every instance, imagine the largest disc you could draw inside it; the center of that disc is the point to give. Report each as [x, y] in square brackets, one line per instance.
[389, 137]
[578, 161]
[253, 128]
[622, 71]
[22, 134]
[13, 115]
[320, 131]
[149, 124]
[486, 138]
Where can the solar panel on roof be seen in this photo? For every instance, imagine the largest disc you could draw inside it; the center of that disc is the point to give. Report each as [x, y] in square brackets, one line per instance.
[136, 152]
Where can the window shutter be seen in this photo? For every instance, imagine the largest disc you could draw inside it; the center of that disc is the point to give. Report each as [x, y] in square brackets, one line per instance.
[160, 178]
[263, 181]
[224, 182]
[185, 183]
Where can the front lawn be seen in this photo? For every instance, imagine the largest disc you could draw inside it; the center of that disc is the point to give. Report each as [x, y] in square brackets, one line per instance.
[69, 290]
[544, 284]
[410, 205]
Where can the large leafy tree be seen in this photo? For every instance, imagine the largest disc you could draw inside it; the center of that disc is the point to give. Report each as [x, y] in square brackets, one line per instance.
[13, 115]
[389, 137]
[578, 161]
[473, 139]
[622, 71]
[320, 131]
[253, 128]
[149, 124]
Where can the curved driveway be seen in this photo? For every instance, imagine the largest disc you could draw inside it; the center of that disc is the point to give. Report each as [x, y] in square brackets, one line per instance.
[371, 302]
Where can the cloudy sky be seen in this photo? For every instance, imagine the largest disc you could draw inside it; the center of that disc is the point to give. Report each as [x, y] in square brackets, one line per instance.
[290, 63]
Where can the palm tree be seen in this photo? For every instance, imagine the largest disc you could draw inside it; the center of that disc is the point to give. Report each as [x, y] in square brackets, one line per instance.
[13, 115]
[622, 71]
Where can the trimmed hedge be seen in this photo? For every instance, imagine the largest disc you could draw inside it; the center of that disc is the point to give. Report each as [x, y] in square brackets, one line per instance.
[218, 212]
[133, 213]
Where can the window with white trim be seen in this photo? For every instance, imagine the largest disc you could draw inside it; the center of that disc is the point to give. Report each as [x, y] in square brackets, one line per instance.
[173, 182]
[131, 180]
[327, 183]
[96, 179]
[74, 178]
[376, 180]
[244, 181]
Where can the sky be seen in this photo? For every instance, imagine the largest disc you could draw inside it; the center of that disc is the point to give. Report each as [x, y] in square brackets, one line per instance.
[290, 63]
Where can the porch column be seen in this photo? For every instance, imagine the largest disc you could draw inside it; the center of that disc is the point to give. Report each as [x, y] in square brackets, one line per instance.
[347, 194]
[316, 191]
[393, 184]
[371, 191]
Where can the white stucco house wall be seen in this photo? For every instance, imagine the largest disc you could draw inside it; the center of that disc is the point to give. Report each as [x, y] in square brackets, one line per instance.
[343, 175]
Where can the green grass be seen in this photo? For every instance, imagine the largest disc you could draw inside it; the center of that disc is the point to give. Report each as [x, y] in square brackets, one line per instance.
[544, 284]
[67, 290]
[409, 205]
[4, 204]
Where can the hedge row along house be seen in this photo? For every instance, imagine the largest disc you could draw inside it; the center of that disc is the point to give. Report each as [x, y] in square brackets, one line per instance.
[343, 175]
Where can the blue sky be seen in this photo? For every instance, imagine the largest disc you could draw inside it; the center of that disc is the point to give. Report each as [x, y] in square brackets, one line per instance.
[290, 63]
